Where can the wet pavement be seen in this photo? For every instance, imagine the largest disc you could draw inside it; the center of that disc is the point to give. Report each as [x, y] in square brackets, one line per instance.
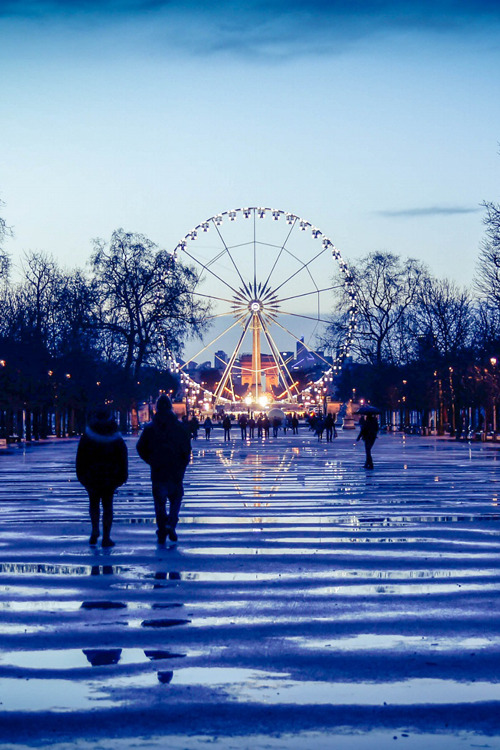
[308, 602]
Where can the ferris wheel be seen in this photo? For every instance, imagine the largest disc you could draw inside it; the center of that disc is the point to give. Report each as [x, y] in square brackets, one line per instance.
[267, 276]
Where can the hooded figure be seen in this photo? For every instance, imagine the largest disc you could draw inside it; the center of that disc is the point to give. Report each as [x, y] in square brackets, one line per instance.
[368, 434]
[101, 466]
[166, 447]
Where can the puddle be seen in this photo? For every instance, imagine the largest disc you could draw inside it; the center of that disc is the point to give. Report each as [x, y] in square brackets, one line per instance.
[369, 642]
[75, 658]
[314, 549]
[403, 693]
[60, 570]
[57, 695]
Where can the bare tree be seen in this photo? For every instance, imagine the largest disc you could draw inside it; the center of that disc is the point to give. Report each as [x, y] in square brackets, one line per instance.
[445, 317]
[487, 280]
[145, 300]
[386, 288]
[5, 232]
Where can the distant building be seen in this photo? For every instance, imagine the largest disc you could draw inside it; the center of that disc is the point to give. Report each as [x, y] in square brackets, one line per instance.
[220, 359]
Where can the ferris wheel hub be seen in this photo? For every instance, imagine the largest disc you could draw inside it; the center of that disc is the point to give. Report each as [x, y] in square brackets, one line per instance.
[255, 306]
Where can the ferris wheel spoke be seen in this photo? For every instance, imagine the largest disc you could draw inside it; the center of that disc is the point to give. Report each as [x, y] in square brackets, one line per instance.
[278, 358]
[229, 366]
[304, 267]
[226, 248]
[213, 297]
[309, 348]
[280, 252]
[204, 266]
[211, 343]
[307, 294]
[306, 317]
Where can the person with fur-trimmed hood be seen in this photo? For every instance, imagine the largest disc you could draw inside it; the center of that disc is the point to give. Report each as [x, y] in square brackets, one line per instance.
[101, 466]
[166, 447]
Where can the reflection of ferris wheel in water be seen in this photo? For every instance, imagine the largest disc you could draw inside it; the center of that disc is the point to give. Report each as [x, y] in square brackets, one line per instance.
[267, 275]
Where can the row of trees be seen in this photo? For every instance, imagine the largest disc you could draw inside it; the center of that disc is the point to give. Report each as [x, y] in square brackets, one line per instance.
[69, 339]
[425, 344]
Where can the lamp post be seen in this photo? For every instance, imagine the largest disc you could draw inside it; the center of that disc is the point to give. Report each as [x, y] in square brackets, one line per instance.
[493, 363]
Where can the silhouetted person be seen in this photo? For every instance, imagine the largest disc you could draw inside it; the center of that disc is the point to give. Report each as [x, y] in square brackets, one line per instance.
[368, 433]
[260, 426]
[267, 425]
[166, 447]
[226, 424]
[276, 426]
[331, 432]
[194, 425]
[295, 425]
[251, 427]
[207, 424]
[243, 421]
[101, 466]
[319, 427]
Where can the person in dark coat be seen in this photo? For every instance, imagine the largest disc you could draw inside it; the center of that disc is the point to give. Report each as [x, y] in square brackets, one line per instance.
[165, 445]
[295, 425]
[208, 425]
[226, 424]
[368, 433]
[276, 426]
[101, 466]
[194, 426]
[243, 421]
[251, 427]
[266, 425]
[331, 432]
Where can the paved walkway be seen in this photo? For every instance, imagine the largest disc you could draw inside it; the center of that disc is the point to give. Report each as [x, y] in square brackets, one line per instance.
[308, 604]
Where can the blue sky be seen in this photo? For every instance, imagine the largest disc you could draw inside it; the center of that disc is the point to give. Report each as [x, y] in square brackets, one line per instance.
[376, 121]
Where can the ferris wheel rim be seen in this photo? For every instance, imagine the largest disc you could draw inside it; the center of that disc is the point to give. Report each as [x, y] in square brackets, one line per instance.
[292, 219]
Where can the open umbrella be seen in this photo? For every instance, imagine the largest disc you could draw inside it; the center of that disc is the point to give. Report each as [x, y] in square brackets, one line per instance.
[368, 409]
[277, 413]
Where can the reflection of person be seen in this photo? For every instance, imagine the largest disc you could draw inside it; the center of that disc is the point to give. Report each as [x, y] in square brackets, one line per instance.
[101, 466]
[166, 447]
[368, 433]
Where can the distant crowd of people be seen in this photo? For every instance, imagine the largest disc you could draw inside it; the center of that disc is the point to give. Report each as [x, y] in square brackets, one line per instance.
[249, 426]
[165, 445]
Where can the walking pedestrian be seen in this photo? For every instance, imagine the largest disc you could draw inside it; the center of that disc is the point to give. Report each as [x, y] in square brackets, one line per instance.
[276, 426]
[208, 425]
[295, 425]
[368, 433]
[260, 425]
[101, 467]
[194, 425]
[243, 421]
[319, 426]
[331, 432]
[266, 425]
[226, 424]
[251, 427]
[166, 447]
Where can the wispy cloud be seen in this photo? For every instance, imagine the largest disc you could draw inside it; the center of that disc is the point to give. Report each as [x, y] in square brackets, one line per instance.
[275, 28]
[411, 213]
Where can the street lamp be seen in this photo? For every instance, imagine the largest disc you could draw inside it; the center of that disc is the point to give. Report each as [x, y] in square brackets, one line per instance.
[493, 363]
